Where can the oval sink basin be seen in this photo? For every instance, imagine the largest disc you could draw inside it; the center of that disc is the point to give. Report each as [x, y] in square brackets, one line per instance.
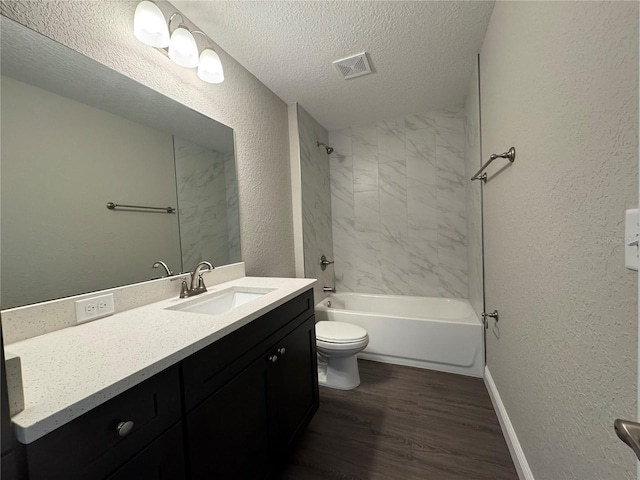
[221, 302]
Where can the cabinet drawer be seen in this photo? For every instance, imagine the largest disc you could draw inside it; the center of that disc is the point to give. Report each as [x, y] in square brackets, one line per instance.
[207, 370]
[162, 460]
[90, 446]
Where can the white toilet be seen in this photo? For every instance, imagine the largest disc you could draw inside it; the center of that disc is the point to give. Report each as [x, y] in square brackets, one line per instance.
[338, 344]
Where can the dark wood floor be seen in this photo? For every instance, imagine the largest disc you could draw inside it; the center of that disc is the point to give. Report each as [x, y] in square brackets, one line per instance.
[403, 423]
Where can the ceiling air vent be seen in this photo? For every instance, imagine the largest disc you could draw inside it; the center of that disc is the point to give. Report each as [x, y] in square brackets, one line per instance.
[353, 66]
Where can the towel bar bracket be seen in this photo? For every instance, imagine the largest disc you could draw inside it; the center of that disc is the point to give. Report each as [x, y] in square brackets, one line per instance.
[509, 155]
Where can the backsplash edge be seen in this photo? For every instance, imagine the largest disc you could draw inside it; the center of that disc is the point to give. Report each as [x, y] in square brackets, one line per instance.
[30, 321]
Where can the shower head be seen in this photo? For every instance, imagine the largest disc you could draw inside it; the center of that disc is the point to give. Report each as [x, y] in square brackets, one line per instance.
[326, 147]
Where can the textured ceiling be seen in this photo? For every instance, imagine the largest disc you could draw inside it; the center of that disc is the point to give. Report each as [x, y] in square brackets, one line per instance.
[422, 52]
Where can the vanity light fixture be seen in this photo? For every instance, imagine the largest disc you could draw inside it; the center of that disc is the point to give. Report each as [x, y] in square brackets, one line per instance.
[209, 66]
[151, 28]
[183, 49]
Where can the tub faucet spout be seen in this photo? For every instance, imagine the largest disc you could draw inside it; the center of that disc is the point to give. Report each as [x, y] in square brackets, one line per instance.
[329, 289]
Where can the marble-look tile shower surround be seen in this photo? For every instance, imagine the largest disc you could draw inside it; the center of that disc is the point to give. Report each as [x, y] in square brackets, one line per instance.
[208, 205]
[316, 201]
[398, 204]
[473, 161]
[233, 208]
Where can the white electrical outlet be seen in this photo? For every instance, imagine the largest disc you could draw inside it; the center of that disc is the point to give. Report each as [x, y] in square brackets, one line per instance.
[94, 307]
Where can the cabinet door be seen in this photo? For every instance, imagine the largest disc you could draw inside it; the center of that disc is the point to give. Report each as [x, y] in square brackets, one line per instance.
[206, 371]
[228, 434]
[294, 383]
[162, 460]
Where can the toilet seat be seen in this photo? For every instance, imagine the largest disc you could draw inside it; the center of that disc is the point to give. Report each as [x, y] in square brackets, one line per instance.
[342, 348]
[339, 333]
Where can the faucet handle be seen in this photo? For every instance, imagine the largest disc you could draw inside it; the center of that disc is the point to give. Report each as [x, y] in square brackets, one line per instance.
[201, 286]
[324, 262]
[184, 289]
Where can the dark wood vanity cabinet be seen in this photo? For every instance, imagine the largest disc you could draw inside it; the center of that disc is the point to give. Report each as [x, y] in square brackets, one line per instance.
[245, 429]
[230, 411]
[293, 382]
[246, 424]
[94, 445]
[228, 434]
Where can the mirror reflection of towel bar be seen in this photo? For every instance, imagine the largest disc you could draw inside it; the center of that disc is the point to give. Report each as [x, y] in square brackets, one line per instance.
[113, 206]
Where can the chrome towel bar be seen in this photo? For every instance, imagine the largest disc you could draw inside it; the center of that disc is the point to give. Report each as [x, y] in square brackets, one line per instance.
[509, 155]
[113, 206]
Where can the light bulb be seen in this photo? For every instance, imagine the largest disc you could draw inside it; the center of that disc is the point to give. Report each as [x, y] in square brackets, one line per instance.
[210, 67]
[183, 49]
[150, 26]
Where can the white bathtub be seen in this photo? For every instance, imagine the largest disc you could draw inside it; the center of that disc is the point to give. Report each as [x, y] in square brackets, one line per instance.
[436, 333]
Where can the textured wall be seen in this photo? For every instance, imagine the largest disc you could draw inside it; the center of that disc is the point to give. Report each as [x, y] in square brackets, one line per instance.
[564, 91]
[103, 31]
[316, 202]
[398, 206]
[472, 163]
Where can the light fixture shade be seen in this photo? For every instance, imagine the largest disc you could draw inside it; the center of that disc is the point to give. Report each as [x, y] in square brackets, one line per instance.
[150, 26]
[183, 49]
[210, 67]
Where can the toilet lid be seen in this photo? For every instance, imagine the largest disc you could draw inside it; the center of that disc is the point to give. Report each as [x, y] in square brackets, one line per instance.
[339, 332]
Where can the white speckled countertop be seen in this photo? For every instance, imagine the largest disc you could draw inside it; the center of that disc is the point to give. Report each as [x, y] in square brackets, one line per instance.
[68, 372]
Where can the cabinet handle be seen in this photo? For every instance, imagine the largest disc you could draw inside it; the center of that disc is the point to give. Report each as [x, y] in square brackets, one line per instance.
[124, 428]
[273, 358]
[281, 350]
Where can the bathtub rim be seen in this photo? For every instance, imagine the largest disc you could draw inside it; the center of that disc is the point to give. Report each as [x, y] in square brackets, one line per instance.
[470, 319]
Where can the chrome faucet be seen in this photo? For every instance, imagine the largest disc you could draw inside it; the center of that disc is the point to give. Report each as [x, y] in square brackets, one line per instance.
[196, 276]
[197, 285]
[329, 289]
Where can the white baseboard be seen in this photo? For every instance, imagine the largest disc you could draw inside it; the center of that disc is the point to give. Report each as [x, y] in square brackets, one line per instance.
[517, 454]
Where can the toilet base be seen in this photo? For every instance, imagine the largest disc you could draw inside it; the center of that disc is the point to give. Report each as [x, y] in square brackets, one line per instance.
[340, 373]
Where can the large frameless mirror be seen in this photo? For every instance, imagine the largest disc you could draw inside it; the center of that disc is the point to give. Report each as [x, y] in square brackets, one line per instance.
[76, 136]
